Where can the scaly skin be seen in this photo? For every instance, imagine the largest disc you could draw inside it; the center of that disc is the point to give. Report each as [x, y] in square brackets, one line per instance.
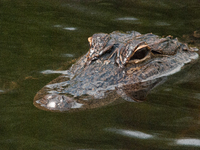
[129, 64]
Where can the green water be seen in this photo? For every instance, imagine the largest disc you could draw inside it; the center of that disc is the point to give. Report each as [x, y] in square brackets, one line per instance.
[39, 35]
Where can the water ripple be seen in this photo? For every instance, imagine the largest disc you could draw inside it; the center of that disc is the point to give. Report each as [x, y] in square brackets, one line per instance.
[188, 142]
[134, 134]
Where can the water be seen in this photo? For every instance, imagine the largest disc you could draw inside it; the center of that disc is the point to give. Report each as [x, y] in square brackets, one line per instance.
[49, 35]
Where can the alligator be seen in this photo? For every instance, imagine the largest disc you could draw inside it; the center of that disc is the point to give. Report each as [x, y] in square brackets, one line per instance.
[119, 64]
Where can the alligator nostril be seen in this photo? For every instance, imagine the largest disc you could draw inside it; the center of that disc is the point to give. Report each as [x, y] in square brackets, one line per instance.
[51, 105]
[57, 102]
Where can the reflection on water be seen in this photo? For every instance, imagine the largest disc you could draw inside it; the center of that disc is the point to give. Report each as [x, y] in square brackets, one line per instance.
[188, 142]
[145, 136]
[197, 96]
[162, 23]
[133, 134]
[131, 20]
[33, 39]
[65, 28]
[70, 28]
[54, 71]
[68, 55]
[127, 18]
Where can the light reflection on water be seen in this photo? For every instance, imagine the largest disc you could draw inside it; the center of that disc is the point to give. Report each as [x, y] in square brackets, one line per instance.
[54, 71]
[188, 142]
[35, 35]
[168, 141]
[133, 134]
[65, 28]
[68, 55]
[70, 28]
[127, 18]
[162, 23]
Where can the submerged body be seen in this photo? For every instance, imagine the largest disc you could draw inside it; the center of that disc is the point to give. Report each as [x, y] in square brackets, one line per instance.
[129, 64]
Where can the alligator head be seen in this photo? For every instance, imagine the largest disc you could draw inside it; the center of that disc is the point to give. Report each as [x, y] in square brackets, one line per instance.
[117, 64]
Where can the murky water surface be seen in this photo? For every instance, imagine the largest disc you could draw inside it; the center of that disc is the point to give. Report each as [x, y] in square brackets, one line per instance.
[49, 35]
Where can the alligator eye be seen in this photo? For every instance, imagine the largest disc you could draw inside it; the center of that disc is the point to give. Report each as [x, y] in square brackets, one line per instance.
[140, 54]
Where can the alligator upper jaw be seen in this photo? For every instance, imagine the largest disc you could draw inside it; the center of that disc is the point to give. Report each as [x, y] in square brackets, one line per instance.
[48, 100]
